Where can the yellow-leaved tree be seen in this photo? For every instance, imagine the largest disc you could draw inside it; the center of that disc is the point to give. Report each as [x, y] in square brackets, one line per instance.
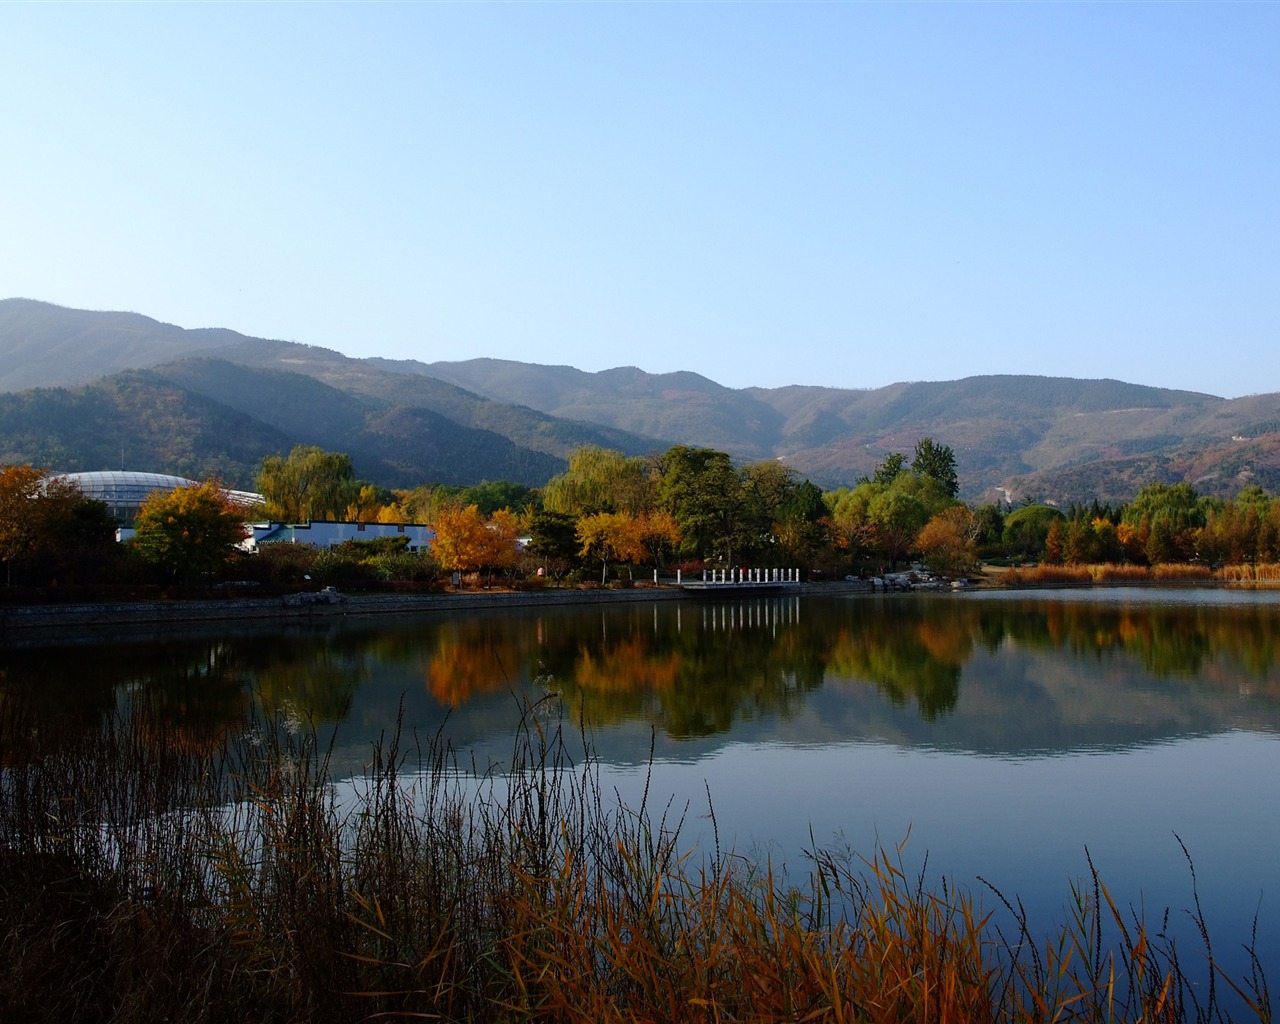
[189, 530]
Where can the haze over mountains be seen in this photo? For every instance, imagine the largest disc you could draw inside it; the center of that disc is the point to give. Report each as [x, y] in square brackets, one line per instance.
[91, 390]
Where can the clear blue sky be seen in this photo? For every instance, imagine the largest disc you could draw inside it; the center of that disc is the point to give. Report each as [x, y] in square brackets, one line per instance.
[838, 194]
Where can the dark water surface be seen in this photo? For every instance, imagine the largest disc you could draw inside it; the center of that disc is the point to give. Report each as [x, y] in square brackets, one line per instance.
[1004, 733]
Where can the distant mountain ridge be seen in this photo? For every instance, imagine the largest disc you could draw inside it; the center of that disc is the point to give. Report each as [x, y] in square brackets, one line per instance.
[82, 385]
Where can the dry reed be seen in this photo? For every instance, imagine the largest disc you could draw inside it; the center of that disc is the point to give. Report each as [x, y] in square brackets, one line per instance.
[143, 882]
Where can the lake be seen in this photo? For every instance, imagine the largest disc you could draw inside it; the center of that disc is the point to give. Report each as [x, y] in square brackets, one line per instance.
[1001, 735]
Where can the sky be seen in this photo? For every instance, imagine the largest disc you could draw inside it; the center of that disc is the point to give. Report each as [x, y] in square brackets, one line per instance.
[837, 194]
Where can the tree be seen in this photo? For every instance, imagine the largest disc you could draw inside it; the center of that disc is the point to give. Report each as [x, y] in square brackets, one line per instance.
[41, 515]
[1171, 516]
[553, 538]
[461, 539]
[659, 533]
[309, 484]
[600, 480]
[939, 462]
[887, 472]
[466, 542]
[1027, 528]
[898, 516]
[189, 530]
[610, 537]
[946, 541]
[802, 525]
[702, 490]
[492, 496]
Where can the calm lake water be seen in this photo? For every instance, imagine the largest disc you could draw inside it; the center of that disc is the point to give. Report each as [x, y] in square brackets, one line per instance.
[1005, 734]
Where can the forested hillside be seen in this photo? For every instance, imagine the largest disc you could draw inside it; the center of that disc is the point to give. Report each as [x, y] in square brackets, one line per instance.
[227, 396]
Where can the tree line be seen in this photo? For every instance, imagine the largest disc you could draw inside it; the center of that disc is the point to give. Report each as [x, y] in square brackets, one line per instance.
[609, 515]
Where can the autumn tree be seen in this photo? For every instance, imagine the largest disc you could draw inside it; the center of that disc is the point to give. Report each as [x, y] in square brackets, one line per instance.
[660, 535]
[947, 542]
[610, 537]
[309, 484]
[44, 517]
[189, 530]
[467, 542]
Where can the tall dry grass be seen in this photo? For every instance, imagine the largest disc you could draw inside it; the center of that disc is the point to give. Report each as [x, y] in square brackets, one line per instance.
[143, 882]
[1112, 574]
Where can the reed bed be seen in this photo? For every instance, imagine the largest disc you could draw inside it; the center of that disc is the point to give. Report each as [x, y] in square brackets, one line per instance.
[1112, 574]
[1267, 573]
[142, 881]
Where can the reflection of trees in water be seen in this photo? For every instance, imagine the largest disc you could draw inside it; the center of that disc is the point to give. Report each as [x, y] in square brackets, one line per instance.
[913, 653]
[182, 695]
[689, 669]
[1168, 640]
[695, 670]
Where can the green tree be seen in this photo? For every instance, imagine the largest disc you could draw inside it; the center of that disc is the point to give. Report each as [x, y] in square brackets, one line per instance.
[898, 517]
[1171, 516]
[887, 472]
[492, 496]
[601, 480]
[1026, 529]
[939, 462]
[309, 484]
[189, 530]
[553, 538]
[701, 488]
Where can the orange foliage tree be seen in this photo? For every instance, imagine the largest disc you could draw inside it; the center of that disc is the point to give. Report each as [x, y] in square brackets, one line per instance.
[467, 542]
[611, 537]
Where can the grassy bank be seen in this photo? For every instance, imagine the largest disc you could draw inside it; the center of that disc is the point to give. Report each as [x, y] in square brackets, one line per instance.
[145, 881]
[1113, 575]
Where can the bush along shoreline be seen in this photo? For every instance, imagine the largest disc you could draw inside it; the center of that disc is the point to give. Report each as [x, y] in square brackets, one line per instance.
[143, 879]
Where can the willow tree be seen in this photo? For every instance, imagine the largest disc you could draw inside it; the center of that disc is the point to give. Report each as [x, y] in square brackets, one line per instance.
[308, 484]
[601, 480]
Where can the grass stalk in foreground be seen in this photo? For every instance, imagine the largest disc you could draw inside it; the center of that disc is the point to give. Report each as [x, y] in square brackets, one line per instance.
[142, 881]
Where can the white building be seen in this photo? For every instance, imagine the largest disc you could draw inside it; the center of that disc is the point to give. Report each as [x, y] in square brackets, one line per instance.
[329, 534]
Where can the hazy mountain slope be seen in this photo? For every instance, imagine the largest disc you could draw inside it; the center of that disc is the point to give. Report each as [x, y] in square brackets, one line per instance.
[43, 345]
[404, 422]
[147, 419]
[680, 407]
[136, 420]
[523, 425]
[395, 445]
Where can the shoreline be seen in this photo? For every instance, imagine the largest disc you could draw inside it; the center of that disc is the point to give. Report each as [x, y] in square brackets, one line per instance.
[22, 625]
[27, 623]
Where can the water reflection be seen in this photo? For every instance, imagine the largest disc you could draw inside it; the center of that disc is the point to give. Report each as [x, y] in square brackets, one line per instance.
[1005, 732]
[1009, 676]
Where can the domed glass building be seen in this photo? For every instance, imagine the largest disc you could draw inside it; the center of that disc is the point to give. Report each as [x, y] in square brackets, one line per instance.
[124, 491]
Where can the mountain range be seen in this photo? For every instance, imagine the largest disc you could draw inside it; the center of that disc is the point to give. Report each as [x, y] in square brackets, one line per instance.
[93, 390]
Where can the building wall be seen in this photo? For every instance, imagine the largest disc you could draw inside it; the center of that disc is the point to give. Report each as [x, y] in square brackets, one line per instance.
[327, 534]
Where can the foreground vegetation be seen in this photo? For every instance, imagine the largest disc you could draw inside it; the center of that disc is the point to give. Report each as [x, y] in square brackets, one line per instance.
[144, 881]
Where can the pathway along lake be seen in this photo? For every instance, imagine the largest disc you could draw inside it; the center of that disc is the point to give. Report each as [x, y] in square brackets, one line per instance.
[1005, 733]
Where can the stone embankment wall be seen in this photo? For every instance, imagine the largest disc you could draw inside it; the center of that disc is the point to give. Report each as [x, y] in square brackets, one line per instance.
[98, 616]
[24, 623]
